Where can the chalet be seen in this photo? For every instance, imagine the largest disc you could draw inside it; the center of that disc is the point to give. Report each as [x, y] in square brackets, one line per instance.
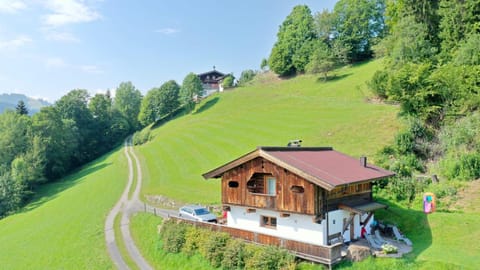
[211, 81]
[313, 195]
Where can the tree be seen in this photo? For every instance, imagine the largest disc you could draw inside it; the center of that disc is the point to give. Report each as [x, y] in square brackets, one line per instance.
[469, 51]
[423, 11]
[159, 102]
[291, 53]
[228, 81]
[28, 168]
[409, 43]
[11, 194]
[74, 106]
[191, 88]
[246, 76]
[21, 108]
[322, 61]
[127, 101]
[14, 130]
[60, 138]
[100, 106]
[324, 25]
[264, 64]
[458, 20]
[358, 24]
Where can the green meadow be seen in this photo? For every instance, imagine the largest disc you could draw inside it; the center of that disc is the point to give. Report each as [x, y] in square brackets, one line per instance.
[270, 112]
[63, 226]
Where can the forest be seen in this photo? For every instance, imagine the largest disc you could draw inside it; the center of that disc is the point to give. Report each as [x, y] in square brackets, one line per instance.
[75, 130]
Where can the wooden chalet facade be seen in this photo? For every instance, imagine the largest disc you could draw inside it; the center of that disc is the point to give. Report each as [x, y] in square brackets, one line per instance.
[211, 81]
[313, 195]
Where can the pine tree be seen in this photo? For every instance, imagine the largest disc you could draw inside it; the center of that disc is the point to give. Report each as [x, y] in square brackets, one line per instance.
[21, 108]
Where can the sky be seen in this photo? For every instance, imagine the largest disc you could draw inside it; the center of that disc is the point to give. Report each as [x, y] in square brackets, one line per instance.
[49, 47]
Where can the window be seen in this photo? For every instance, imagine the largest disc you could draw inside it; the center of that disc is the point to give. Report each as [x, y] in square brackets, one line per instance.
[297, 189]
[269, 222]
[271, 186]
[233, 184]
[262, 183]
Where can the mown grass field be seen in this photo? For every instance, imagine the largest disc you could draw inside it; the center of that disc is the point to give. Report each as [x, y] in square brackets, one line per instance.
[144, 233]
[63, 227]
[269, 113]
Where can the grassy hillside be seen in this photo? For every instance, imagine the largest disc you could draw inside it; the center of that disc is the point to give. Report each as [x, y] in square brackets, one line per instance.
[270, 112]
[63, 228]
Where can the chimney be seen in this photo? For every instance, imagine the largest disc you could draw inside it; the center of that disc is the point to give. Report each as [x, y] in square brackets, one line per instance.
[363, 161]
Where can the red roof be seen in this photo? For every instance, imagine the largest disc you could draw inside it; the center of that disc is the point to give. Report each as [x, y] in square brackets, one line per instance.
[320, 165]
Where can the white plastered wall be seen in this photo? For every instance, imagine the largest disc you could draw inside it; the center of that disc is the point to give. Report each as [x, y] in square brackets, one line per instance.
[295, 227]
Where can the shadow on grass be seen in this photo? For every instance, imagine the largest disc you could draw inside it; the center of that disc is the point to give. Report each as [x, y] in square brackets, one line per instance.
[413, 223]
[333, 78]
[174, 115]
[207, 105]
[48, 192]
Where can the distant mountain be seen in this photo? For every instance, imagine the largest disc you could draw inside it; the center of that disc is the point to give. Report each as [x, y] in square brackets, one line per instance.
[10, 101]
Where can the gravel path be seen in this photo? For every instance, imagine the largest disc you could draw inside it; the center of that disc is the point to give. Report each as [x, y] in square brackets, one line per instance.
[126, 207]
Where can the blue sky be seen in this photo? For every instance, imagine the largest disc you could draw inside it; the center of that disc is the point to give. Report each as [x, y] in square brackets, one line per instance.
[49, 47]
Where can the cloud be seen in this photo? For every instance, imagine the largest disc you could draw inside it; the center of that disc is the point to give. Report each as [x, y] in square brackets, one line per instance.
[167, 31]
[61, 36]
[91, 69]
[15, 43]
[69, 11]
[11, 6]
[55, 62]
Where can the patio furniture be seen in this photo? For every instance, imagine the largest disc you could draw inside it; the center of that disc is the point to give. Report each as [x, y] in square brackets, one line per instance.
[401, 237]
[380, 238]
[372, 242]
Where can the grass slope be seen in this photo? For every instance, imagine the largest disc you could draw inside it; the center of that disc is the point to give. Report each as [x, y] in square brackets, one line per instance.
[144, 233]
[270, 112]
[63, 228]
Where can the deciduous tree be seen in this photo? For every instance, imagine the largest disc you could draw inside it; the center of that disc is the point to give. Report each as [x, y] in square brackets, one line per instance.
[127, 101]
[191, 88]
[291, 53]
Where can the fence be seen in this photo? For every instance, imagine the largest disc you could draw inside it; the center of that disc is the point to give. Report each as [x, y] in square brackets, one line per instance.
[323, 254]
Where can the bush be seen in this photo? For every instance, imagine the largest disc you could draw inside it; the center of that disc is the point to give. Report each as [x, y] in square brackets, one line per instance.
[443, 190]
[141, 137]
[465, 166]
[233, 257]
[379, 83]
[221, 250]
[215, 247]
[246, 76]
[405, 188]
[192, 240]
[173, 235]
[269, 257]
[228, 82]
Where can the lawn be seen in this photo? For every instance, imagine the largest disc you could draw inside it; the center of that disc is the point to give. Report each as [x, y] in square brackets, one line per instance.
[270, 112]
[63, 227]
[144, 232]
